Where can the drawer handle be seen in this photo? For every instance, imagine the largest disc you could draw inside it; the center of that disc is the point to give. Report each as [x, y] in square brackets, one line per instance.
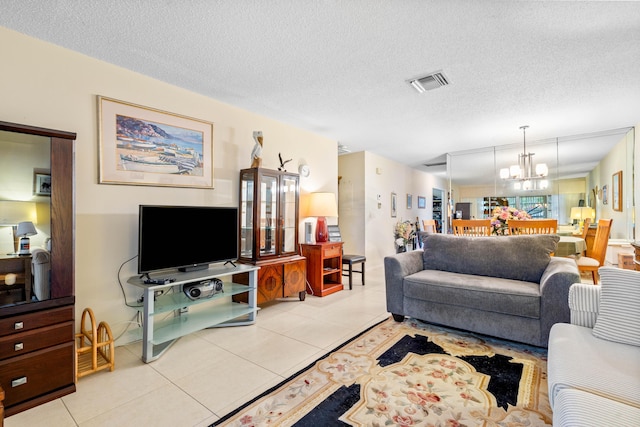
[18, 346]
[18, 325]
[19, 382]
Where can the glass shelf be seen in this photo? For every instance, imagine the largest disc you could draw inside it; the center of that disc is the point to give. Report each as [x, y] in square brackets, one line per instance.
[176, 327]
[178, 300]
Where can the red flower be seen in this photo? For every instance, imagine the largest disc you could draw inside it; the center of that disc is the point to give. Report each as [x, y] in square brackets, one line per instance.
[403, 420]
[247, 420]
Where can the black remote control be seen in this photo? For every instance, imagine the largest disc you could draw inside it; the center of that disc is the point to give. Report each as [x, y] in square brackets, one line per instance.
[159, 281]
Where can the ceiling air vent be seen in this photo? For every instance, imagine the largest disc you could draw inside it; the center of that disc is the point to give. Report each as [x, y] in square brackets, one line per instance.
[429, 82]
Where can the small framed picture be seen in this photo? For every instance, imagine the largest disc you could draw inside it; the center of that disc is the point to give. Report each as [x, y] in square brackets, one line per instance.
[42, 182]
[616, 191]
[394, 205]
[422, 202]
[409, 201]
[605, 195]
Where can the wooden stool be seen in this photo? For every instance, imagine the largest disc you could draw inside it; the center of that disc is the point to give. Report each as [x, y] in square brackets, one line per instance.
[94, 346]
[351, 260]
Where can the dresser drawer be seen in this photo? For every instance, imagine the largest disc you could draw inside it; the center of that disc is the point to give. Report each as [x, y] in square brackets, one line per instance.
[37, 373]
[330, 251]
[36, 339]
[39, 319]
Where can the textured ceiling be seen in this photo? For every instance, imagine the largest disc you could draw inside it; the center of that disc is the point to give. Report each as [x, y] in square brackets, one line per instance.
[340, 68]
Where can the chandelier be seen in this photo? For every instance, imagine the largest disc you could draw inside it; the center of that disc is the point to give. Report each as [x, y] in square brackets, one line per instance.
[524, 174]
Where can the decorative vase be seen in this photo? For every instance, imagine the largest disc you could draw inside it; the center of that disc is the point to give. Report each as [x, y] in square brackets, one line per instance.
[400, 249]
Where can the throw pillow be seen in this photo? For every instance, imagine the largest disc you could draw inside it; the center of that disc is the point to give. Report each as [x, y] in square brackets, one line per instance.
[619, 316]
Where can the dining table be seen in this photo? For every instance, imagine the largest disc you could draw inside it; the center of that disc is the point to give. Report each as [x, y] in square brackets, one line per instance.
[570, 245]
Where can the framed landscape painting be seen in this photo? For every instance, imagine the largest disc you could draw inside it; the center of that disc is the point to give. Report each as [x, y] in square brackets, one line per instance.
[144, 146]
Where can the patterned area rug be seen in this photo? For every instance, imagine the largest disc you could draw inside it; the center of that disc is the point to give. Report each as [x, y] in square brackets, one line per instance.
[410, 374]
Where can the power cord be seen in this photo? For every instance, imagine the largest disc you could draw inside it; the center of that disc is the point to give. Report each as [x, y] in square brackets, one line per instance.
[124, 295]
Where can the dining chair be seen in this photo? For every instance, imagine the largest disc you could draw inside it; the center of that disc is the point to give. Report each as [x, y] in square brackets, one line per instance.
[471, 227]
[532, 226]
[348, 260]
[585, 227]
[585, 230]
[596, 259]
[429, 225]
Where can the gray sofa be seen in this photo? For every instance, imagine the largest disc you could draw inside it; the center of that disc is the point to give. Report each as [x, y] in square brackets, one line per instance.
[508, 287]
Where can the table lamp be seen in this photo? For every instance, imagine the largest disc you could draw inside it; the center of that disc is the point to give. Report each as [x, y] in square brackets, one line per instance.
[322, 205]
[25, 228]
[581, 213]
[12, 212]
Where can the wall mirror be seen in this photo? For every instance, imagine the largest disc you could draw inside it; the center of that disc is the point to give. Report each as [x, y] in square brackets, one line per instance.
[483, 177]
[36, 175]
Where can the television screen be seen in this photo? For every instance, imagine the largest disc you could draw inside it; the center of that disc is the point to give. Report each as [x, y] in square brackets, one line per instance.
[185, 237]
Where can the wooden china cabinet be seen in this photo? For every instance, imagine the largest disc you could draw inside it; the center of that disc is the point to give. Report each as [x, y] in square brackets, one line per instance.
[268, 235]
[37, 337]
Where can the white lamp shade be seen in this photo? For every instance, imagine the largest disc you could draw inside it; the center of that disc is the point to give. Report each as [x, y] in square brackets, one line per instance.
[322, 204]
[581, 212]
[26, 228]
[542, 169]
[514, 171]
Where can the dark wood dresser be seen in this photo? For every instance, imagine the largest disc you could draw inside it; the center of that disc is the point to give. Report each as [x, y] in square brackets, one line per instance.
[37, 356]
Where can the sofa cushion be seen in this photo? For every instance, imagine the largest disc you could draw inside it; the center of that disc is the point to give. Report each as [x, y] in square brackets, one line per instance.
[578, 408]
[491, 294]
[579, 360]
[619, 316]
[520, 257]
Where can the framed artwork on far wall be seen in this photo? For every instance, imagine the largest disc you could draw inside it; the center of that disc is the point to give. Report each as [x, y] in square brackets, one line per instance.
[605, 194]
[42, 182]
[394, 205]
[409, 201]
[422, 202]
[144, 146]
[616, 191]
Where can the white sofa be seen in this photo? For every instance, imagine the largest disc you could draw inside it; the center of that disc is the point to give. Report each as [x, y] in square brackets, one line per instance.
[594, 362]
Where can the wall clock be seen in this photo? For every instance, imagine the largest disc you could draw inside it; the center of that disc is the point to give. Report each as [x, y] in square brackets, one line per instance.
[304, 170]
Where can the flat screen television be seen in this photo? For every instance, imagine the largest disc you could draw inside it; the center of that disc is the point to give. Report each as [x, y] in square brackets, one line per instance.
[185, 237]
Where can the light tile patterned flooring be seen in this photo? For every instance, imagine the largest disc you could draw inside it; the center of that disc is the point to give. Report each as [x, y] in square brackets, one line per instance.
[205, 375]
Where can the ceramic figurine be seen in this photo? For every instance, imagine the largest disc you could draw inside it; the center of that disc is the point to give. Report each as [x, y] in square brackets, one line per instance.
[256, 153]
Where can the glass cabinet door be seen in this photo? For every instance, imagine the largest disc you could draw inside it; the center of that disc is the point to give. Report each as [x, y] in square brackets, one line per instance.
[247, 189]
[288, 210]
[268, 214]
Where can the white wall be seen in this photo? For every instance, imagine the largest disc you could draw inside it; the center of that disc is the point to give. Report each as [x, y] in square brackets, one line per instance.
[47, 86]
[365, 222]
[619, 158]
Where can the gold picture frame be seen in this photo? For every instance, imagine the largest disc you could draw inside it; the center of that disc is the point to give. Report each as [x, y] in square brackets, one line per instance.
[616, 191]
[144, 146]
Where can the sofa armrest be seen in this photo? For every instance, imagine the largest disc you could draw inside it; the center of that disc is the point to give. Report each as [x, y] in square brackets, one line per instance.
[584, 302]
[396, 268]
[556, 280]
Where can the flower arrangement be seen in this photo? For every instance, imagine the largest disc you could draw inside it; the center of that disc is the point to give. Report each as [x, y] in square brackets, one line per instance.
[404, 233]
[501, 217]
